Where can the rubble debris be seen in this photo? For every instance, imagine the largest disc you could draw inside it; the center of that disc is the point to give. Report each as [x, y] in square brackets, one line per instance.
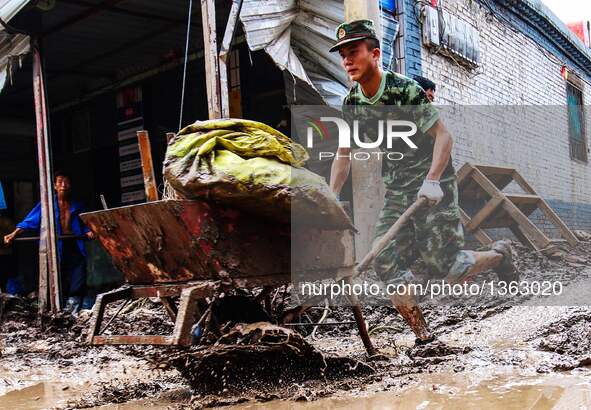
[259, 353]
[56, 350]
[571, 336]
[582, 235]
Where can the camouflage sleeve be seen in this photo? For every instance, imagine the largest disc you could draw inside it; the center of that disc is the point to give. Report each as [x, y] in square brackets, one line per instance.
[424, 114]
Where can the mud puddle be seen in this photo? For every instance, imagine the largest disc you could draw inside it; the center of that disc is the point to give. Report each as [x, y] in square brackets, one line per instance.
[54, 395]
[480, 390]
[41, 395]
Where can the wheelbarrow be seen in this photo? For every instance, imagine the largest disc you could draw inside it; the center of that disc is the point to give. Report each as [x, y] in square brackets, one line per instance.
[172, 248]
[189, 249]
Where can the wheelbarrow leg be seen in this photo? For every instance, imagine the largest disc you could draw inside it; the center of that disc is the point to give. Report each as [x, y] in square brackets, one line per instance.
[98, 311]
[188, 312]
[361, 326]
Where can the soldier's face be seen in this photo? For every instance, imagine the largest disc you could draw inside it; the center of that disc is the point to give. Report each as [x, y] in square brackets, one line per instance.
[358, 61]
[430, 94]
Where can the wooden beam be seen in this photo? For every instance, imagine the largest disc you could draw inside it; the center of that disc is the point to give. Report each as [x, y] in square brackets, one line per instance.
[490, 188]
[147, 166]
[224, 53]
[522, 237]
[478, 233]
[484, 213]
[48, 258]
[212, 71]
[463, 173]
[494, 170]
[564, 230]
[367, 181]
[523, 183]
[519, 199]
[527, 226]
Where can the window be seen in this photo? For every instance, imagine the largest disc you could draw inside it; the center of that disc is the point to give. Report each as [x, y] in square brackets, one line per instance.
[576, 120]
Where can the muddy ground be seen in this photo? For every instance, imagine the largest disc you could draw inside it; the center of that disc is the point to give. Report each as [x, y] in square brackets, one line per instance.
[482, 340]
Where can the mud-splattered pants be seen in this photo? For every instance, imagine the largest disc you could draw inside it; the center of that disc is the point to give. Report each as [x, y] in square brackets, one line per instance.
[435, 234]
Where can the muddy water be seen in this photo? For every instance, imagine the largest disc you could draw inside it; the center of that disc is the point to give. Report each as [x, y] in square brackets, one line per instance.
[49, 395]
[505, 391]
[39, 396]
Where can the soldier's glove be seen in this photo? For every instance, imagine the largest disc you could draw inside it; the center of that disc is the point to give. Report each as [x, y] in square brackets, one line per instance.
[432, 191]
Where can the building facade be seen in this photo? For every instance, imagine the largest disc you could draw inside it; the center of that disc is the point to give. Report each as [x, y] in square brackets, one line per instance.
[527, 58]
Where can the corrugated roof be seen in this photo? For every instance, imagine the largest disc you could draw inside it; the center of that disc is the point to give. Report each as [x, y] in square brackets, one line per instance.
[88, 45]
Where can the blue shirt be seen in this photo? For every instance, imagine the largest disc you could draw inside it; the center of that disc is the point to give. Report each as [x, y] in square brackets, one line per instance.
[33, 222]
[2, 200]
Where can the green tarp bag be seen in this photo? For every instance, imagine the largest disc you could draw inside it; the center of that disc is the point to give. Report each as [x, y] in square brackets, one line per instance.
[251, 166]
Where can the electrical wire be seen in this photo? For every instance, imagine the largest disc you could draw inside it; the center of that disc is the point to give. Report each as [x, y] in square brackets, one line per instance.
[185, 63]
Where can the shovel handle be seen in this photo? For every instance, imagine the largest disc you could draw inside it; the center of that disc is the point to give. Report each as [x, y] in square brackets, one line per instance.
[387, 238]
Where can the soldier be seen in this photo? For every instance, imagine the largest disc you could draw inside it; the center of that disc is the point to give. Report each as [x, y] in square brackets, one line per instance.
[436, 233]
[428, 86]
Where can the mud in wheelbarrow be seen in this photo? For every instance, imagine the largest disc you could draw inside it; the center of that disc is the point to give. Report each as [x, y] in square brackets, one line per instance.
[187, 248]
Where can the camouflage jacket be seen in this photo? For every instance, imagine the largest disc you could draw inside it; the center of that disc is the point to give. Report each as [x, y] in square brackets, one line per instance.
[406, 101]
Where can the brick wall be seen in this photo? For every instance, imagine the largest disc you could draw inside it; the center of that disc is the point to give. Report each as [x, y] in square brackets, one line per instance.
[516, 68]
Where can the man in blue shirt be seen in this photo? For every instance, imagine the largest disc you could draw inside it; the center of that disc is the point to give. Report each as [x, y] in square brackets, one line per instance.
[72, 253]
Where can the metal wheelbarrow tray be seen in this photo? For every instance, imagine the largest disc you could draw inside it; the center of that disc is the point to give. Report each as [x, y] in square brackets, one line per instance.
[187, 248]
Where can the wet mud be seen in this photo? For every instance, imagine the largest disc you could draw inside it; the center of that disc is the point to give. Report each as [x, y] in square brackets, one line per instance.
[488, 351]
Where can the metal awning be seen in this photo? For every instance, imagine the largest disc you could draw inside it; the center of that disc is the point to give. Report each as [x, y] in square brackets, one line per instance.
[12, 46]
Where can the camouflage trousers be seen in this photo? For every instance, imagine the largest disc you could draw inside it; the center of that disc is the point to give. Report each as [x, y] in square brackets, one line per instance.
[435, 234]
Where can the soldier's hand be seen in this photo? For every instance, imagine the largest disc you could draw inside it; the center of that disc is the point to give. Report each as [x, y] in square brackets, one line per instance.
[432, 191]
[90, 235]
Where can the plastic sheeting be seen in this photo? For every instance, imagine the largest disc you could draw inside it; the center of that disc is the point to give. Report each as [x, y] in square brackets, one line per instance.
[251, 166]
[297, 35]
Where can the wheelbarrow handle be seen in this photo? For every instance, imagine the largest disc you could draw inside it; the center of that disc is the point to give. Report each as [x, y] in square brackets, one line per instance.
[36, 238]
[387, 238]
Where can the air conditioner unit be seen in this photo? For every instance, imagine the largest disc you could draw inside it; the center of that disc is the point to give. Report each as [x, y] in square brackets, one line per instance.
[431, 27]
[451, 36]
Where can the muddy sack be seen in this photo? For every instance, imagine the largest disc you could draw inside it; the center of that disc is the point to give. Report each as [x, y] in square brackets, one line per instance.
[251, 166]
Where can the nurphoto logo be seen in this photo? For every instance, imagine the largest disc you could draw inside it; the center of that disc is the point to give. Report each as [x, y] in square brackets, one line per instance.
[388, 130]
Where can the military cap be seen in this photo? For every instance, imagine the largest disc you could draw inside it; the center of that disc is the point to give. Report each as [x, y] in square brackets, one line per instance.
[353, 31]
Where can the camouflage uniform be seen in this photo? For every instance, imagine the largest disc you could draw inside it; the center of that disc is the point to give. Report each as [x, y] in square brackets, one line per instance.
[435, 234]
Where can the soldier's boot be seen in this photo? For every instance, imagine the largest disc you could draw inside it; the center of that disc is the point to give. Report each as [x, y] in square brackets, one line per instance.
[505, 270]
[470, 263]
[410, 311]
